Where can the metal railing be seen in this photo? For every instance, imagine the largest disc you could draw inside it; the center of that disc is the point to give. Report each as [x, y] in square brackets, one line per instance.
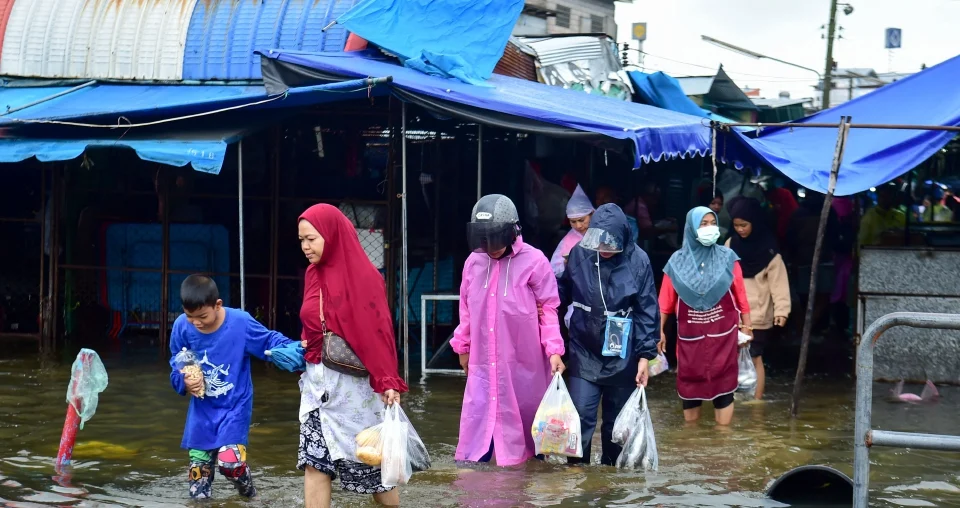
[864, 436]
[424, 371]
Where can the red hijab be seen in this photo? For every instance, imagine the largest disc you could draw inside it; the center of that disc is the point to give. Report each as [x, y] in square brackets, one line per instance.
[354, 300]
[787, 204]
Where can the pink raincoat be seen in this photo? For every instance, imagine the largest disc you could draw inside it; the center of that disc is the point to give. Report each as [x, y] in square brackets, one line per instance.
[509, 347]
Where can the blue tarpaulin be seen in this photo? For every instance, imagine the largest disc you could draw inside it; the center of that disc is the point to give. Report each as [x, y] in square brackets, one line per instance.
[872, 156]
[459, 38]
[32, 113]
[203, 150]
[664, 91]
[655, 133]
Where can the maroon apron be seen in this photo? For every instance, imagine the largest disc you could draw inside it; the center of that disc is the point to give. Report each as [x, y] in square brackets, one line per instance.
[707, 350]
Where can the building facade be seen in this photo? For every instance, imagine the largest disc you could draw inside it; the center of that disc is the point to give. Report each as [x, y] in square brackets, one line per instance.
[552, 17]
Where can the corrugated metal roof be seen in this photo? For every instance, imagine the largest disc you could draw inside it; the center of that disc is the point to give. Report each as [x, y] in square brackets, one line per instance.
[516, 63]
[224, 34]
[161, 40]
[778, 103]
[121, 39]
[5, 7]
[555, 50]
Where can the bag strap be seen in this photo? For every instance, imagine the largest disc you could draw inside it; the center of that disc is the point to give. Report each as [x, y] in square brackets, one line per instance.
[323, 321]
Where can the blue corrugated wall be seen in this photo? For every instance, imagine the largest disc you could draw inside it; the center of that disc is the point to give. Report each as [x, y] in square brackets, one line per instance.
[223, 34]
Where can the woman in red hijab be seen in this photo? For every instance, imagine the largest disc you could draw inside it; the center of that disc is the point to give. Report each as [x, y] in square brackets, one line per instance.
[346, 295]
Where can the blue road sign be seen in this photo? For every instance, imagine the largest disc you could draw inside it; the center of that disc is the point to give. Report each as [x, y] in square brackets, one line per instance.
[892, 38]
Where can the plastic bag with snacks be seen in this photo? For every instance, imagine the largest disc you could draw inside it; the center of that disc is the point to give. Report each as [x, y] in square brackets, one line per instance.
[394, 446]
[556, 427]
[633, 430]
[188, 364]
[747, 377]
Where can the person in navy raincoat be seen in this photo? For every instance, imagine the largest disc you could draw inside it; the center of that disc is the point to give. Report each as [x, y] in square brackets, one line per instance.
[608, 277]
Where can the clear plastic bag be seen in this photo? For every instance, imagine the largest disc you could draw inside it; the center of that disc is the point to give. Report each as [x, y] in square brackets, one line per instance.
[189, 365]
[88, 378]
[633, 430]
[747, 377]
[658, 365]
[556, 427]
[394, 446]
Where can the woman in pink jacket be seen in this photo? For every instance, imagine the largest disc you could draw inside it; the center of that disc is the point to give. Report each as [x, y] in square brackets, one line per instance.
[508, 351]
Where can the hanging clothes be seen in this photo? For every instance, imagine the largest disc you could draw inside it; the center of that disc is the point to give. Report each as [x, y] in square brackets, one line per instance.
[509, 348]
[784, 204]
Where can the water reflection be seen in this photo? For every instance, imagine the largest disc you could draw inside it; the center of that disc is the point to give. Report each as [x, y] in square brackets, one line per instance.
[128, 454]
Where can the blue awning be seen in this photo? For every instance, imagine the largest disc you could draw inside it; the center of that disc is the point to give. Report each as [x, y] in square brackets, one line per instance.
[509, 102]
[42, 124]
[204, 150]
[96, 101]
[873, 156]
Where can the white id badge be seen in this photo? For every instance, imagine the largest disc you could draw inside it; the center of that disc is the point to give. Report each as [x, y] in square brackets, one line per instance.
[616, 336]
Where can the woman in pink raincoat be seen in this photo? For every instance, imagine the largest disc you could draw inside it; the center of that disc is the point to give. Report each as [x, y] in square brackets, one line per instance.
[508, 351]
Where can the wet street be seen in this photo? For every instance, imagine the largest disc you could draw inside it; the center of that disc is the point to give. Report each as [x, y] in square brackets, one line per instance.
[129, 455]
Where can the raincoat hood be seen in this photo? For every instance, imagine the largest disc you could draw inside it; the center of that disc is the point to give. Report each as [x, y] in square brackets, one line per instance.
[610, 219]
[579, 204]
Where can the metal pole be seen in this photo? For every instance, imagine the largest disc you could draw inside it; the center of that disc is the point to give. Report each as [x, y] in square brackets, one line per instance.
[243, 290]
[479, 161]
[824, 214]
[913, 440]
[44, 297]
[164, 258]
[828, 73]
[864, 405]
[404, 269]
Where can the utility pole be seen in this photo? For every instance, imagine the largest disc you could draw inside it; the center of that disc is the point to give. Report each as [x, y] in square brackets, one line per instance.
[828, 73]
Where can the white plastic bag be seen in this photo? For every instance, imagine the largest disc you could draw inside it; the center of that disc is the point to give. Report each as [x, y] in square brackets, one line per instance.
[633, 430]
[394, 446]
[658, 365]
[556, 427]
[747, 377]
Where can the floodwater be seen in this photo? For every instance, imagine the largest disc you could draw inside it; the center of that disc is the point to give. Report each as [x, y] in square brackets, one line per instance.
[129, 455]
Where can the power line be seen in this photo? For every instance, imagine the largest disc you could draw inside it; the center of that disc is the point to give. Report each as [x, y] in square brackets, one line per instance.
[725, 69]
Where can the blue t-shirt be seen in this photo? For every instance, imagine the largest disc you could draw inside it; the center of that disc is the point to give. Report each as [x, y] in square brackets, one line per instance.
[222, 417]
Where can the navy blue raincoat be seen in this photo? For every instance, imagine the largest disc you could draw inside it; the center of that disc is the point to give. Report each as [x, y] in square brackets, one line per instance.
[627, 282]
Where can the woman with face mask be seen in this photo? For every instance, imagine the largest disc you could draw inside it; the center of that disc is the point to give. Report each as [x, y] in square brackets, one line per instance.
[764, 276]
[703, 287]
[507, 350]
[613, 331]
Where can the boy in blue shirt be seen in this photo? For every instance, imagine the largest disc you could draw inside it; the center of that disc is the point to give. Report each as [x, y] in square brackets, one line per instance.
[218, 419]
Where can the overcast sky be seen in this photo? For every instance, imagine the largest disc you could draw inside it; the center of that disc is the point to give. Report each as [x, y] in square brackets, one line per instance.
[788, 30]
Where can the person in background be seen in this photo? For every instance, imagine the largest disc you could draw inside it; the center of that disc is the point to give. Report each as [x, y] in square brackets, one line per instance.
[764, 277]
[579, 212]
[608, 275]
[703, 287]
[641, 209]
[605, 194]
[507, 350]
[952, 203]
[882, 218]
[935, 211]
[712, 199]
[343, 294]
[218, 418]
[784, 204]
